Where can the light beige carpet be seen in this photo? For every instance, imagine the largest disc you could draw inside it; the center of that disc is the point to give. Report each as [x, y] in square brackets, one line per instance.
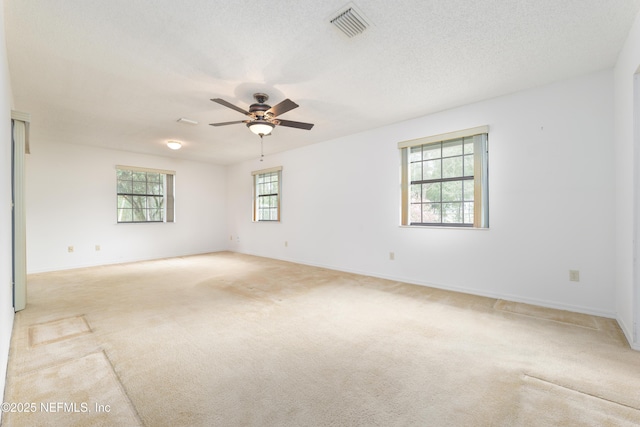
[232, 340]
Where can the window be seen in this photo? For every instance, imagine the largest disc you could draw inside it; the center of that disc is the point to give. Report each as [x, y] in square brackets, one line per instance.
[266, 190]
[445, 180]
[145, 195]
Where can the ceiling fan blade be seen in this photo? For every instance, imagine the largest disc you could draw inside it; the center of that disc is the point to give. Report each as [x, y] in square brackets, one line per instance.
[283, 107]
[229, 105]
[229, 123]
[297, 125]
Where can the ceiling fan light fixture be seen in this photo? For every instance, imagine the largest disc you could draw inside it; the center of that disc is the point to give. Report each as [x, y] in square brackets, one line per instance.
[174, 145]
[260, 127]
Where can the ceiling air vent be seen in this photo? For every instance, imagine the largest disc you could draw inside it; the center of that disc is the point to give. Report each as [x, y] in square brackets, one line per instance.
[350, 21]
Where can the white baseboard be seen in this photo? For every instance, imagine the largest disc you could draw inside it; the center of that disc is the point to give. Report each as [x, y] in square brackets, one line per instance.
[509, 297]
[117, 261]
[628, 333]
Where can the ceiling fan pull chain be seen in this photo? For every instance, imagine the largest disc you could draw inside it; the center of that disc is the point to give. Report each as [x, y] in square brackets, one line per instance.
[261, 147]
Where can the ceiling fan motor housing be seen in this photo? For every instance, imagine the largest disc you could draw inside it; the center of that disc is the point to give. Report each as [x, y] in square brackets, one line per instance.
[260, 107]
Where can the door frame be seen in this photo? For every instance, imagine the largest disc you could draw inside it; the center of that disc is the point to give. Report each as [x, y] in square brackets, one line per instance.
[19, 147]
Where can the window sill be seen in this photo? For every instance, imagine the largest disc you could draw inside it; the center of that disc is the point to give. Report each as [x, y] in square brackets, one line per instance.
[443, 227]
[145, 222]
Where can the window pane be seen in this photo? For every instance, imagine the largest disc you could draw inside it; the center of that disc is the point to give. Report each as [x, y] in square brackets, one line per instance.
[452, 191]
[125, 215]
[139, 187]
[431, 192]
[139, 176]
[123, 174]
[468, 146]
[432, 151]
[153, 177]
[468, 190]
[125, 187]
[452, 213]
[432, 169]
[139, 215]
[155, 202]
[415, 214]
[452, 167]
[124, 202]
[139, 202]
[431, 212]
[468, 165]
[452, 148]
[415, 154]
[415, 193]
[155, 188]
[155, 215]
[416, 171]
[274, 214]
[468, 213]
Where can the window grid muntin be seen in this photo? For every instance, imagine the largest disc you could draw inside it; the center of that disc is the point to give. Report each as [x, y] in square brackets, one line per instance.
[141, 196]
[267, 189]
[436, 154]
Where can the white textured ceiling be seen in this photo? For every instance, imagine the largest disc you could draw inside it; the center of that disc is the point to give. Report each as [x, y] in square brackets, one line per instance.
[120, 73]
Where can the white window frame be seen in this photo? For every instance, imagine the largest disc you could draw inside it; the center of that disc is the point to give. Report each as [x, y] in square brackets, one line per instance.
[168, 182]
[257, 195]
[479, 136]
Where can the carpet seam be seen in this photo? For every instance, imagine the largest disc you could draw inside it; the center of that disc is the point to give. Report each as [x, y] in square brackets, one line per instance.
[583, 392]
[63, 338]
[60, 362]
[122, 388]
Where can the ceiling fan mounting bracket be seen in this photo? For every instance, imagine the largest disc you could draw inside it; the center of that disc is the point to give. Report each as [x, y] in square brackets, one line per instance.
[261, 97]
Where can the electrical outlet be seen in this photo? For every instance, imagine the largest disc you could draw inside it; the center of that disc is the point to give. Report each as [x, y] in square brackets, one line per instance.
[69, 249]
[574, 275]
[392, 256]
[97, 248]
[286, 244]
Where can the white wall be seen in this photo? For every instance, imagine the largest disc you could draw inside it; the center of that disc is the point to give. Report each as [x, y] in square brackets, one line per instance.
[71, 201]
[551, 168]
[6, 254]
[627, 185]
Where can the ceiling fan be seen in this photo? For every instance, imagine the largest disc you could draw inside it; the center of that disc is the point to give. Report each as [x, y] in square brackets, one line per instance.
[263, 117]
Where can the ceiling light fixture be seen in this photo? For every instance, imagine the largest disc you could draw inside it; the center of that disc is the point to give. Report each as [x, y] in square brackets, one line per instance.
[174, 145]
[260, 127]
